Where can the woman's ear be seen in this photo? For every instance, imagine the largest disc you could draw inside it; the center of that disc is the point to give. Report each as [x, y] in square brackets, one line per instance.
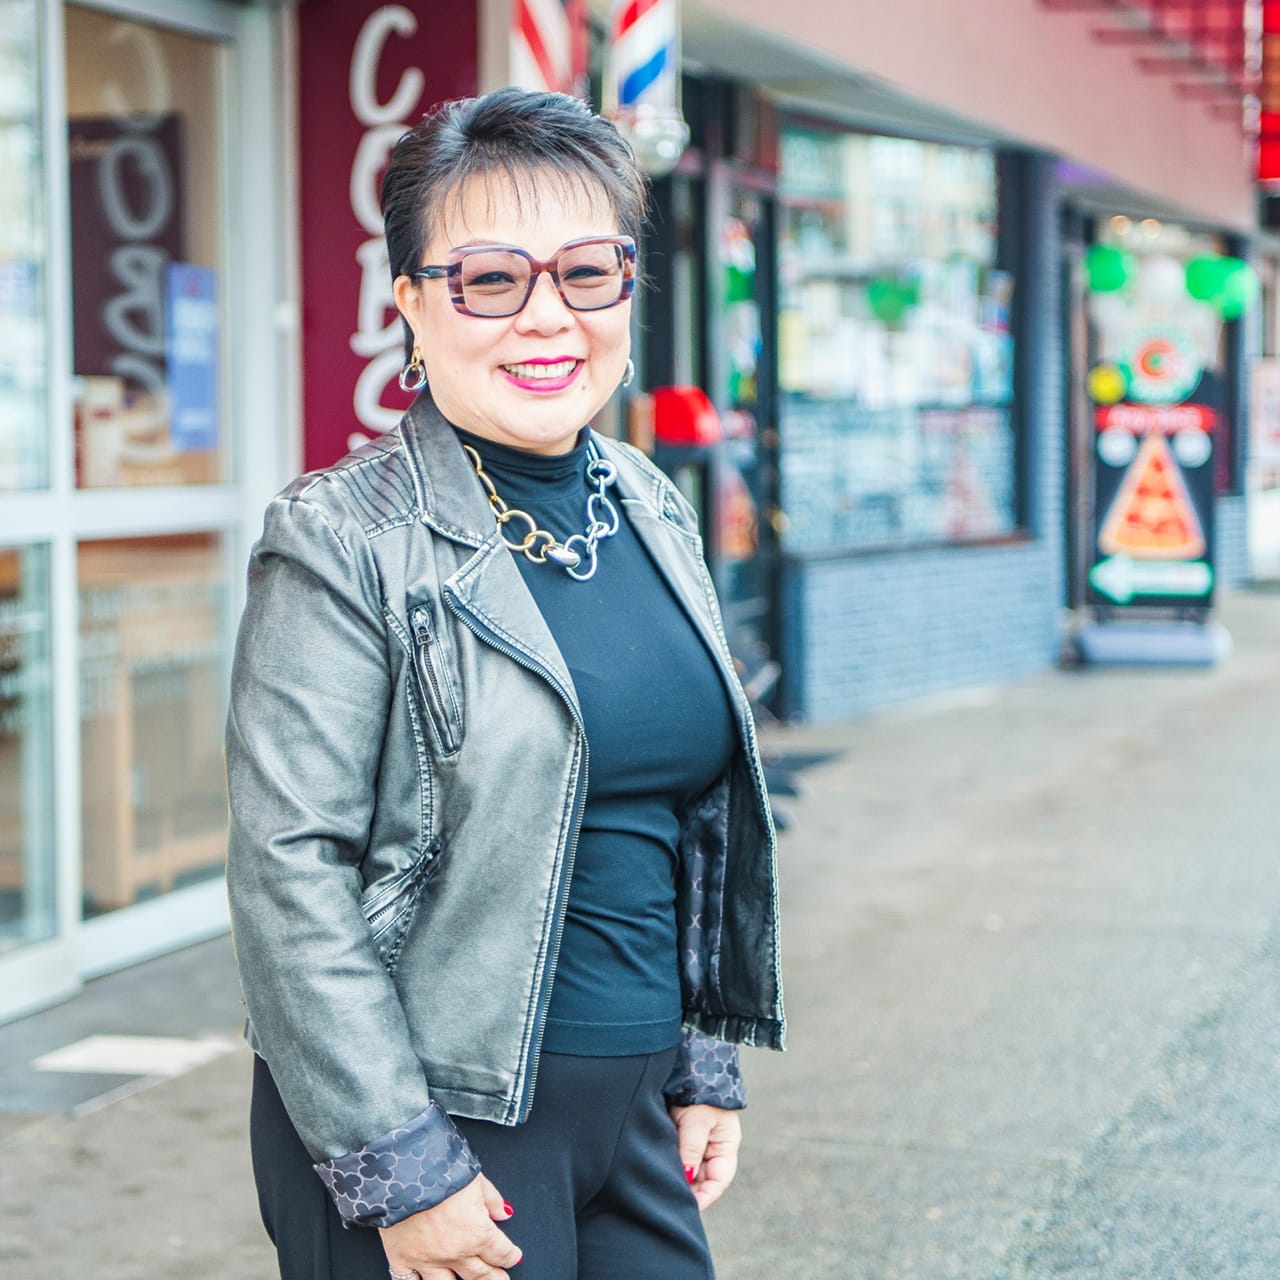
[408, 298]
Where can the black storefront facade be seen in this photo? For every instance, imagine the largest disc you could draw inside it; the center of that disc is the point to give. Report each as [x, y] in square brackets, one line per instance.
[882, 507]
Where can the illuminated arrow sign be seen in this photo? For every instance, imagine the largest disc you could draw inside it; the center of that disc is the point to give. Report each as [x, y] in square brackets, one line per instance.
[1120, 578]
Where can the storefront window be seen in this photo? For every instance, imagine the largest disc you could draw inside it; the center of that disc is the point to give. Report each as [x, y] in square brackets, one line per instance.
[23, 377]
[895, 352]
[146, 247]
[153, 625]
[26, 771]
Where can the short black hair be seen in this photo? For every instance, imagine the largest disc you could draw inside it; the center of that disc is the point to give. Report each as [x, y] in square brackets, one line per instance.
[522, 134]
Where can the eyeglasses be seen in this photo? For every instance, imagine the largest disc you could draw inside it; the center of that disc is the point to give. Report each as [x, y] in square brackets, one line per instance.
[496, 280]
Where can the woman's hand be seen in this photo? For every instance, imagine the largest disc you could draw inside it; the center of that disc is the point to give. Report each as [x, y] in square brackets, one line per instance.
[456, 1237]
[709, 1142]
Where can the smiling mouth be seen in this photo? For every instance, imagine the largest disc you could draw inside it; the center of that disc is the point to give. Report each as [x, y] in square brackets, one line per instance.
[542, 370]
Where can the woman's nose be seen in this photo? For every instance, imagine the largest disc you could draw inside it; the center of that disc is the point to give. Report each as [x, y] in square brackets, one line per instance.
[546, 309]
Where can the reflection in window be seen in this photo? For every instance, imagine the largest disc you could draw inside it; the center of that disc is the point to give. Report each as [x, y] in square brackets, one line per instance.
[153, 666]
[895, 352]
[146, 249]
[23, 434]
[26, 771]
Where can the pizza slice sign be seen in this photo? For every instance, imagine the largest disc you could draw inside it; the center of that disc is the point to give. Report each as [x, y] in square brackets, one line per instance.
[1152, 516]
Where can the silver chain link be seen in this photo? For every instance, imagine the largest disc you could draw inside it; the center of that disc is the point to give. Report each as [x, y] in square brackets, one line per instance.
[540, 546]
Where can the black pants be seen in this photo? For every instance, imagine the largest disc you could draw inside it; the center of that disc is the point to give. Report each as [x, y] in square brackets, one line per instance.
[594, 1177]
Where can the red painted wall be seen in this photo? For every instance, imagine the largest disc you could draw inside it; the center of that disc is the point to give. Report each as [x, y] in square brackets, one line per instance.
[366, 72]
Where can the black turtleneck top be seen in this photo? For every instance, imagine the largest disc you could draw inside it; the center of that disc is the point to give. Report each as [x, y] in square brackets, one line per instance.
[659, 730]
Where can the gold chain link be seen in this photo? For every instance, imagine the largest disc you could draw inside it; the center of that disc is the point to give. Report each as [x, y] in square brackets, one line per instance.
[538, 545]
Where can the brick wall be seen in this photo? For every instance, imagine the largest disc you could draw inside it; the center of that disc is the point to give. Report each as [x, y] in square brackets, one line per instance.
[1231, 541]
[868, 632]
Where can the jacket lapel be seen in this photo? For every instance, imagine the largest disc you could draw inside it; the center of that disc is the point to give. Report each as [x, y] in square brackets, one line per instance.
[488, 587]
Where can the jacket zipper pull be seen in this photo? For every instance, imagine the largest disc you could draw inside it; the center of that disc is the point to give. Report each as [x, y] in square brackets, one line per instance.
[430, 682]
[421, 632]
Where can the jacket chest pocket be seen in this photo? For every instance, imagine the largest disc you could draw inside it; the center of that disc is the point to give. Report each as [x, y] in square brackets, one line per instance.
[436, 688]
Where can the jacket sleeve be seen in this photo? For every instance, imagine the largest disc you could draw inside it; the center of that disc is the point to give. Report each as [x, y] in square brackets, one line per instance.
[706, 1072]
[309, 705]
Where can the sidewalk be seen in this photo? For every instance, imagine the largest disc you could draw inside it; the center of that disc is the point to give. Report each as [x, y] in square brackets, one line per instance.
[1033, 962]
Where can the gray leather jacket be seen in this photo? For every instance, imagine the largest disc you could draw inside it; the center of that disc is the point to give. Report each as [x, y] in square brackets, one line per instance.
[407, 765]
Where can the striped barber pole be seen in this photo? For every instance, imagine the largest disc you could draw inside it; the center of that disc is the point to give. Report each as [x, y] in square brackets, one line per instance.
[642, 81]
[549, 45]
[644, 64]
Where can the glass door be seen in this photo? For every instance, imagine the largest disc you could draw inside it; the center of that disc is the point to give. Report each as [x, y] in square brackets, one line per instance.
[147, 186]
[138, 327]
[34, 960]
[27, 893]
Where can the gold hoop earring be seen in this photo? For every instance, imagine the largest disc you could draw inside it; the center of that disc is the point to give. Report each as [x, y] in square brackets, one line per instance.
[629, 374]
[413, 377]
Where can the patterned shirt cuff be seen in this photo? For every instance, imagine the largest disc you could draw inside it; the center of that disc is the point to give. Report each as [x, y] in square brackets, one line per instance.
[706, 1073]
[411, 1168]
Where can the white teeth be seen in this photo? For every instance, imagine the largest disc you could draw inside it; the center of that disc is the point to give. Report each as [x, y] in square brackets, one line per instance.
[561, 369]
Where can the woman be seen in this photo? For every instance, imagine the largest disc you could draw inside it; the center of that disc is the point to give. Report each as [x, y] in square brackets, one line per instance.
[501, 866]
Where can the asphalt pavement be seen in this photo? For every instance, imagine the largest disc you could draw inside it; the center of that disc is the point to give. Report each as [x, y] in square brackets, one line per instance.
[1032, 953]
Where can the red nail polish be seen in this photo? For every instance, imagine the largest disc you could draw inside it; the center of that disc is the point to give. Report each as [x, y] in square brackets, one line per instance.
[689, 1174]
[509, 1209]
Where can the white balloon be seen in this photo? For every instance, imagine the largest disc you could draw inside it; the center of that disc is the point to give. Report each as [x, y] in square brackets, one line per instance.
[1117, 447]
[1192, 447]
[1110, 313]
[1161, 279]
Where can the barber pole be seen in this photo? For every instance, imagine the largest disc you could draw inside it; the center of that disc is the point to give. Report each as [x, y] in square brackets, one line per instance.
[549, 45]
[642, 81]
[643, 58]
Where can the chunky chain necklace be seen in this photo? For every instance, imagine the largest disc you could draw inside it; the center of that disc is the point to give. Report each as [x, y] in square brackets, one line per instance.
[576, 555]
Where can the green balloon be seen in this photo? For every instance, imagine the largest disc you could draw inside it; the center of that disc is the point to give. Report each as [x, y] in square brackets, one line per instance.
[1205, 275]
[1239, 290]
[1108, 268]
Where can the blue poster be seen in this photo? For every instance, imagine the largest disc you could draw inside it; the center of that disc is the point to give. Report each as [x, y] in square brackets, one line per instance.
[191, 351]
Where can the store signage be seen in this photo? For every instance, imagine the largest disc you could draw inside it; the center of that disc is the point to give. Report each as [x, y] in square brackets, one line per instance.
[126, 225]
[1157, 408]
[1154, 497]
[1123, 579]
[191, 352]
[1166, 419]
[1164, 365]
[395, 62]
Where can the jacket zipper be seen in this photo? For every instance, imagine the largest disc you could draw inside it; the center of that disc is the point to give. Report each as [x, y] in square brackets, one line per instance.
[525, 1101]
[430, 681]
[397, 892]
